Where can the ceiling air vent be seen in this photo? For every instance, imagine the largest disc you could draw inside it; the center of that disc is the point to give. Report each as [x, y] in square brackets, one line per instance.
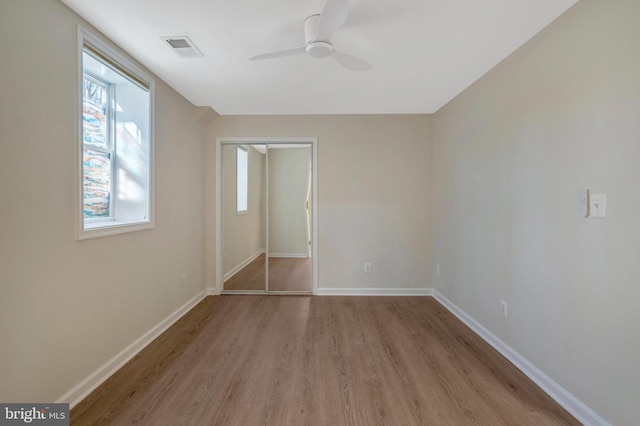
[182, 46]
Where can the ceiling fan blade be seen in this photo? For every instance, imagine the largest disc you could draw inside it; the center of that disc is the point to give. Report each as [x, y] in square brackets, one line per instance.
[333, 16]
[279, 54]
[351, 62]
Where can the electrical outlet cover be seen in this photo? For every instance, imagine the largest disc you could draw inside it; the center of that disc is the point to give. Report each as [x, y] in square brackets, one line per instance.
[503, 308]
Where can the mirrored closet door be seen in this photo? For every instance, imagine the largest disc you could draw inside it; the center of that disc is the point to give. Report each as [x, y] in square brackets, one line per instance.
[266, 217]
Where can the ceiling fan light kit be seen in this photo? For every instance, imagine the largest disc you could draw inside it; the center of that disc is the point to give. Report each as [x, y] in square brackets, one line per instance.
[319, 49]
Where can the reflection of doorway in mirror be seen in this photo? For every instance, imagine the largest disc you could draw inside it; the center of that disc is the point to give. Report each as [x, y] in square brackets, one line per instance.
[290, 264]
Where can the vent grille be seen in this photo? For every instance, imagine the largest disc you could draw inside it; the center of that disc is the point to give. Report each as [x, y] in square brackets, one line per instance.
[182, 46]
[178, 43]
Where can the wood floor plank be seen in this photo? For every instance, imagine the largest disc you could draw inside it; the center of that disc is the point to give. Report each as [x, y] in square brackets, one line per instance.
[266, 360]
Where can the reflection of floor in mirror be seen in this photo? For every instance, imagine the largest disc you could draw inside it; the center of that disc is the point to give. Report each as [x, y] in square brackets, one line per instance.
[251, 277]
[285, 274]
[290, 274]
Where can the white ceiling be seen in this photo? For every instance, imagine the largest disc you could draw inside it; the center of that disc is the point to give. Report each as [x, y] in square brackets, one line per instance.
[423, 52]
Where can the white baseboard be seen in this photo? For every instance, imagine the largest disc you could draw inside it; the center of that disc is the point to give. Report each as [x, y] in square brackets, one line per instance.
[374, 292]
[580, 411]
[95, 379]
[239, 267]
[292, 255]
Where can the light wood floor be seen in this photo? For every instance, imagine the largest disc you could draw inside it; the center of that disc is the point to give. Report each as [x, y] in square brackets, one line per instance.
[298, 360]
[285, 274]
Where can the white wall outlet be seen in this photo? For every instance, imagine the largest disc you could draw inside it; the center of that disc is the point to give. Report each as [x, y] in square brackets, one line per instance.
[437, 269]
[503, 308]
[183, 280]
[583, 202]
[367, 267]
[598, 205]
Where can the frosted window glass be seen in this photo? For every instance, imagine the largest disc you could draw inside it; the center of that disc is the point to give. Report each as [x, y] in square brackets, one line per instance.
[96, 182]
[94, 113]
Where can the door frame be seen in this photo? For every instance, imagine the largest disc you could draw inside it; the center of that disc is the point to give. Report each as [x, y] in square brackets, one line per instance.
[313, 141]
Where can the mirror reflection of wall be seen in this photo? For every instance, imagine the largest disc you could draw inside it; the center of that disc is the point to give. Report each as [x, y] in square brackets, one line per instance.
[266, 214]
[244, 230]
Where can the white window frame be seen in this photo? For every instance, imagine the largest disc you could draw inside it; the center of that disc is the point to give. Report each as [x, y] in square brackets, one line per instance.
[246, 189]
[99, 227]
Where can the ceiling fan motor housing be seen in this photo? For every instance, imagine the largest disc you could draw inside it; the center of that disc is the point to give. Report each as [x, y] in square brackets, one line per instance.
[317, 48]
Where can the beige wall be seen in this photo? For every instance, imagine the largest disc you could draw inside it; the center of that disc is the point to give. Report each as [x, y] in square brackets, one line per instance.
[67, 306]
[510, 155]
[243, 234]
[288, 183]
[374, 193]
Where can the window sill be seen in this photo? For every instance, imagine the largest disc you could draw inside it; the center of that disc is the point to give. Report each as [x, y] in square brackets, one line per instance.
[104, 229]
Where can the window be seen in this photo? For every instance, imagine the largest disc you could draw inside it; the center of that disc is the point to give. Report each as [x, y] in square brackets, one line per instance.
[116, 115]
[242, 179]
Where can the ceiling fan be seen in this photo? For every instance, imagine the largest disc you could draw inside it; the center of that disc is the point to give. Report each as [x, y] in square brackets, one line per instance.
[317, 36]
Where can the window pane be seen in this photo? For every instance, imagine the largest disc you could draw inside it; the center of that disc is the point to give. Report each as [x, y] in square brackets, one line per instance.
[94, 113]
[242, 169]
[96, 179]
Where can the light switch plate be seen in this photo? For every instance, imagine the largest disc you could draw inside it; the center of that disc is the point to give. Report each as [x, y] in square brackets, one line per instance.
[598, 205]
